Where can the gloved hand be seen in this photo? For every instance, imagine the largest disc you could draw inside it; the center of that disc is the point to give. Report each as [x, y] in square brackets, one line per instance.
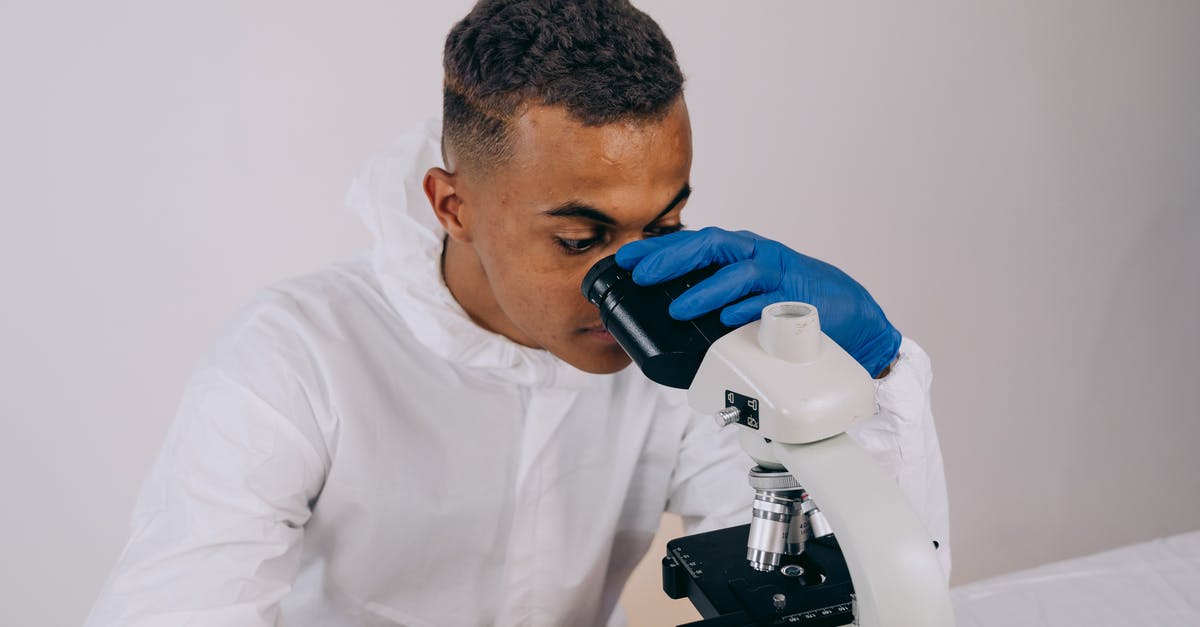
[774, 273]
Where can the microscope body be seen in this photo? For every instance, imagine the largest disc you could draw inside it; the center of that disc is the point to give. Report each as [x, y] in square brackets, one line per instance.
[789, 382]
[791, 392]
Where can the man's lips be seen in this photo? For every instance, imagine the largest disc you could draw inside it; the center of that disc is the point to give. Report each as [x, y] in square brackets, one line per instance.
[598, 331]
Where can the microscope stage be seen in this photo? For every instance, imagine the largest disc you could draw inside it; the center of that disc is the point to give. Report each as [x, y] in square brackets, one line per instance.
[711, 570]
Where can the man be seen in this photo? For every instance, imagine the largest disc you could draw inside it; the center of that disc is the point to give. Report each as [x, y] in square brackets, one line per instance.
[443, 433]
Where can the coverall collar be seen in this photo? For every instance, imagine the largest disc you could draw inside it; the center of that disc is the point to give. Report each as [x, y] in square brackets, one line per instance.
[406, 257]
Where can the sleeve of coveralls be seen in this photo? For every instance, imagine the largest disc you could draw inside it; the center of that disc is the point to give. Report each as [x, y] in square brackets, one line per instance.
[709, 487]
[216, 531]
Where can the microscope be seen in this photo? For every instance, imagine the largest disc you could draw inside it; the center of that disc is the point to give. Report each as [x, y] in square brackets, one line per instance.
[862, 556]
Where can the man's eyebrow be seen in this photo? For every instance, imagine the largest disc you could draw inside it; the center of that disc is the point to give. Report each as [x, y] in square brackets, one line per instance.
[576, 209]
[684, 192]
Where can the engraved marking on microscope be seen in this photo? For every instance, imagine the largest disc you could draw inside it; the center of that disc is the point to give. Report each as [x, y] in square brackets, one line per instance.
[747, 407]
[693, 566]
[824, 612]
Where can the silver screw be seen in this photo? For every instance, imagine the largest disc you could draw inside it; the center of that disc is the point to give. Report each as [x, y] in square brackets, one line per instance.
[728, 416]
[780, 601]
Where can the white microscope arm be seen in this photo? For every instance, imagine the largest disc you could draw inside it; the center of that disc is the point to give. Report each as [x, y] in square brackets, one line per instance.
[897, 578]
[797, 391]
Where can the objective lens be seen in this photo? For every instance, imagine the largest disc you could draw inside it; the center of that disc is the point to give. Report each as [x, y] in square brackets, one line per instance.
[777, 524]
[768, 539]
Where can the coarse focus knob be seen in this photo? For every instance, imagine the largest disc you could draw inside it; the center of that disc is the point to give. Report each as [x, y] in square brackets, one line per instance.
[728, 416]
[791, 331]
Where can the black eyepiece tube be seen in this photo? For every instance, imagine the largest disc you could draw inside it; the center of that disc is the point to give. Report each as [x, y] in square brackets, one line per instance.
[668, 351]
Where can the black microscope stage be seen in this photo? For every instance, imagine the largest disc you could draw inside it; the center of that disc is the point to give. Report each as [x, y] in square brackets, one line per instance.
[711, 570]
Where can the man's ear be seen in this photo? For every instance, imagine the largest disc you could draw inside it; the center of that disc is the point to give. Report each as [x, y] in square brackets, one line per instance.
[441, 187]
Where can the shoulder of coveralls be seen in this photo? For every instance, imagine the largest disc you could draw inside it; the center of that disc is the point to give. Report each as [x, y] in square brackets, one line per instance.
[905, 391]
[912, 358]
[283, 345]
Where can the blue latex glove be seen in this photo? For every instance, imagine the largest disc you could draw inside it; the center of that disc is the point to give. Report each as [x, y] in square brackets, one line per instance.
[773, 273]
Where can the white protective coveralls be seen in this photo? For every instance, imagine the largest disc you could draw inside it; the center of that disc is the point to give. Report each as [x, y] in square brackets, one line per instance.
[356, 451]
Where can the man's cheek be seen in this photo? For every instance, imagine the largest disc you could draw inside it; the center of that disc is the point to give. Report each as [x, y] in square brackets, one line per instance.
[556, 300]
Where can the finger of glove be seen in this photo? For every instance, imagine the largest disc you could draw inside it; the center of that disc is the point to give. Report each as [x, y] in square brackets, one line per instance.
[748, 310]
[629, 255]
[707, 247]
[726, 286]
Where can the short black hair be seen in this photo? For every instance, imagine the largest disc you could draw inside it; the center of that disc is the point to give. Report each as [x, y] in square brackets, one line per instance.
[603, 60]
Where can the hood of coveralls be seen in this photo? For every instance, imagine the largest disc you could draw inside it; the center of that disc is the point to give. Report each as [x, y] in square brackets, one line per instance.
[406, 258]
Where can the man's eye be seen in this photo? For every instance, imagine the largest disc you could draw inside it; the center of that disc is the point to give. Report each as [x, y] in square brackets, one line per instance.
[656, 231]
[576, 246]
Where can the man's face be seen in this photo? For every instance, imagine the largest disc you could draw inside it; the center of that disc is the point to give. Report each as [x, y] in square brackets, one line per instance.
[568, 195]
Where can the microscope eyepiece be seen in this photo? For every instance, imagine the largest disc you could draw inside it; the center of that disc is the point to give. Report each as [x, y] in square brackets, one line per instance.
[668, 351]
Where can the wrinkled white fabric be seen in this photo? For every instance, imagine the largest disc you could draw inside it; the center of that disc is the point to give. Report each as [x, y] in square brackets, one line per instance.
[1152, 584]
[356, 451]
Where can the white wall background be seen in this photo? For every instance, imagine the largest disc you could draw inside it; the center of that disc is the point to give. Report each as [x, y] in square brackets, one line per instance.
[1016, 182]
